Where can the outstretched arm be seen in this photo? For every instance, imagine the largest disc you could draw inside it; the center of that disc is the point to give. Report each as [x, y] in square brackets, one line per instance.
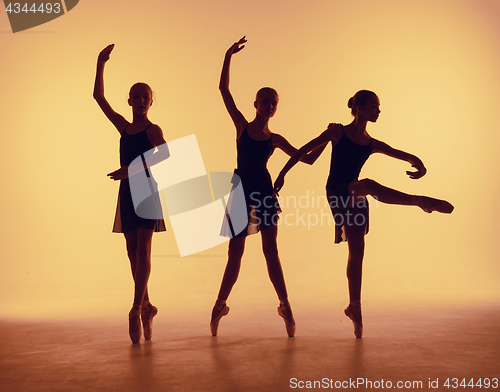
[413, 160]
[283, 144]
[332, 134]
[118, 120]
[238, 118]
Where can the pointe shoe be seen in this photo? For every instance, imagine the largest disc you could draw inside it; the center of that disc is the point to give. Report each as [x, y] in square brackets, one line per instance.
[134, 327]
[216, 316]
[147, 314]
[357, 321]
[429, 204]
[287, 315]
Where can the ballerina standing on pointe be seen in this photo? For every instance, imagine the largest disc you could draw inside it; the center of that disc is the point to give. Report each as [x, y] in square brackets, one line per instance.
[138, 139]
[255, 144]
[351, 147]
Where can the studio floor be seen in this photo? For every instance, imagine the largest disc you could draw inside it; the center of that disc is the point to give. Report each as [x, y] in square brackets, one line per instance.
[415, 349]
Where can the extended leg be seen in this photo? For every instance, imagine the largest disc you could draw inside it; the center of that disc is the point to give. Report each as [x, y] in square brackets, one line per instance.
[356, 244]
[220, 309]
[139, 253]
[131, 241]
[365, 187]
[235, 253]
[270, 248]
[143, 264]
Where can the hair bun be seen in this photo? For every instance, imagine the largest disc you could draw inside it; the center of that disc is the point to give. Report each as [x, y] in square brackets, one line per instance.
[349, 103]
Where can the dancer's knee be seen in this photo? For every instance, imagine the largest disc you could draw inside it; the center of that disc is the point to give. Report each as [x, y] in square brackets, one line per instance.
[236, 249]
[356, 242]
[355, 261]
[132, 256]
[143, 253]
[131, 248]
[363, 187]
[357, 249]
[270, 250]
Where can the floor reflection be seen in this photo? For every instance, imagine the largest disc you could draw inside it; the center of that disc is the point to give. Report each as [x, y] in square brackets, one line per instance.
[249, 355]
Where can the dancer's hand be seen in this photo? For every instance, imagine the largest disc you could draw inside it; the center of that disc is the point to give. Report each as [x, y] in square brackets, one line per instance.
[235, 48]
[119, 174]
[278, 184]
[104, 55]
[421, 170]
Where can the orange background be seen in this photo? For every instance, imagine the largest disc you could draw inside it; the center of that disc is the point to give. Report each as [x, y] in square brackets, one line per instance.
[433, 64]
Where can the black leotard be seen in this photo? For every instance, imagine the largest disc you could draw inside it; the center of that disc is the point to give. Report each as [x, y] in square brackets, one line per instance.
[131, 147]
[257, 184]
[347, 160]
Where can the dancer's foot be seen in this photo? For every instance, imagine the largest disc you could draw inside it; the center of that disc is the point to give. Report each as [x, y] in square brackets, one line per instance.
[218, 312]
[354, 313]
[147, 313]
[134, 326]
[286, 313]
[429, 204]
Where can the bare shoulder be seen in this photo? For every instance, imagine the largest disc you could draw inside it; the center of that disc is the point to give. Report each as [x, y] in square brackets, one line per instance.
[154, 129]
[334, 132]
[380, 146]
[155, 135]
[240, 128]
[337, 130]
[118, 121]
[122, 126]
[278, 140]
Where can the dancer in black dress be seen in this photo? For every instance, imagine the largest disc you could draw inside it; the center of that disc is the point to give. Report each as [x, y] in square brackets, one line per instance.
[255, 144]
[262, 206]
[137, 139]
[351, 147]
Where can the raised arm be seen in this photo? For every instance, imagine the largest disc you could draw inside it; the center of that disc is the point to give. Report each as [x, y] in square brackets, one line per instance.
[332, 134]
[413, 160]
[239, 120]
[118, 121]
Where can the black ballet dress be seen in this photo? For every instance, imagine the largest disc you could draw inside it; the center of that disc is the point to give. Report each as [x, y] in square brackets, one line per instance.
[347, 160]
[131, 147]
[262, 207]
